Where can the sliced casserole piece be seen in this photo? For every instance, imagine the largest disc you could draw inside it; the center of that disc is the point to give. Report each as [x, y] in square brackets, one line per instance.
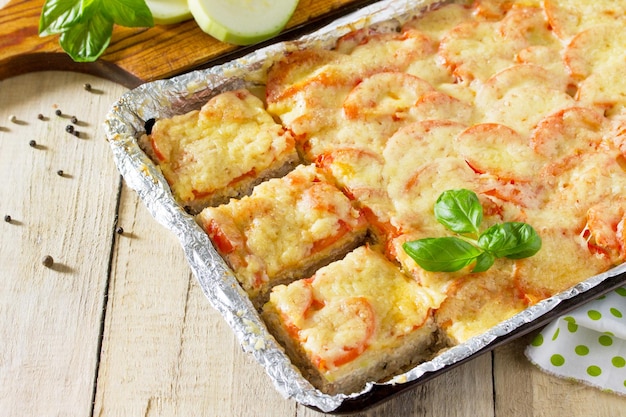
[284, 230]
[358, 319]
[221, 150]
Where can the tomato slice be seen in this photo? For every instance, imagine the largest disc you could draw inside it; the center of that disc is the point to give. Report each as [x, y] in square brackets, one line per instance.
[604, 229]
[157, 151]
[353, 322]
[328, 241]
[217, 235]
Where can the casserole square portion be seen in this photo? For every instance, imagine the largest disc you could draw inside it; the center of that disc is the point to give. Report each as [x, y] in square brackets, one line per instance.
[284, 230]
[358, 319]
[220, 151]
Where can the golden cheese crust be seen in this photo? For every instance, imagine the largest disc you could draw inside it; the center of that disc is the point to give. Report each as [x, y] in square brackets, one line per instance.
[283, 229]
[340, 328]
[476, 302]
[521, 101]
[516, 100]
[569, 17]
[221, 150]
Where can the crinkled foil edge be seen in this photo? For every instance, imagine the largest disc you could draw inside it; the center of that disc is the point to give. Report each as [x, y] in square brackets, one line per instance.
[125, 122]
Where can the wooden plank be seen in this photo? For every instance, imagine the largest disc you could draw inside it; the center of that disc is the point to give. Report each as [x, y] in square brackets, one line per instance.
[51, 316]
[525, 391]
[134, 55]
[166, 351]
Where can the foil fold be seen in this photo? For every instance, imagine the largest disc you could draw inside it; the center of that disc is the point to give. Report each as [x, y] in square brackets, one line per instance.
[125, 123]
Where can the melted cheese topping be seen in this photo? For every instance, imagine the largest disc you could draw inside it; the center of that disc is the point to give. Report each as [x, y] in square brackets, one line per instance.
[569, 17]
[514, 100]
[595, 57]
[474, 50]
[438, 22]
[475, 303]
[339, 317]
[209, 151]
[592, 49]
[286, 225]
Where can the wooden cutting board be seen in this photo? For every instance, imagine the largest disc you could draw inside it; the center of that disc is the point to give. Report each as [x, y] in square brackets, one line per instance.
[137, 55]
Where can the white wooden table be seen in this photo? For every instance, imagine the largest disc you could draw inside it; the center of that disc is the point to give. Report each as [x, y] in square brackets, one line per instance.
[118, 325]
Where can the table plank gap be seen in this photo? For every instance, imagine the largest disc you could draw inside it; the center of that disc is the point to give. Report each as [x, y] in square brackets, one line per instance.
[51, 314]
[105, 295]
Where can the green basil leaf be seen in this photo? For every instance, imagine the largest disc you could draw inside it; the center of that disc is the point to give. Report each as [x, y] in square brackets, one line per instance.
[484, 261]
[94, 5]
[86, 26]
[129, 13]
[59, 15]
[513, 240]
[443, 254]
[459, 210]
[86, 41]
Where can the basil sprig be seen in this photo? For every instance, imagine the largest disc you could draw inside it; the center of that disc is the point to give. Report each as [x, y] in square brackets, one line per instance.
[461, 212]
[85, 26]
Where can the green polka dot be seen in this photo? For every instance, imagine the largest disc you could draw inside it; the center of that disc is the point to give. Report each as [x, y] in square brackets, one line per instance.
[594, 314]
[557, 360]
[618, 362]
[571, 324]
[556, 333]
[616, 312]
[594, 370]
[605, 340]
[581, 350]
[538, 340]
[621, 291]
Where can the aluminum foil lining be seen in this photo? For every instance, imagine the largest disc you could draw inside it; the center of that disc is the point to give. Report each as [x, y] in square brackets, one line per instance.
[125, 123]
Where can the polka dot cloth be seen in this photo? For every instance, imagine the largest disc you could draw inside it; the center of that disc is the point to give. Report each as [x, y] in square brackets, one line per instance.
[588, 345]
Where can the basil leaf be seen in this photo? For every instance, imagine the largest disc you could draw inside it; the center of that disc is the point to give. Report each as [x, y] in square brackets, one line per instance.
[86, 26]
[93, 4]
[513, 240]
[86, 41]
[484, 261]
[459, 210]
[443, 254]
[129, 13]
[59, 15]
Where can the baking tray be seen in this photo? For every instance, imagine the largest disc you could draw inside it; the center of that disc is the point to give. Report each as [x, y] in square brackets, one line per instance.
[134, 113]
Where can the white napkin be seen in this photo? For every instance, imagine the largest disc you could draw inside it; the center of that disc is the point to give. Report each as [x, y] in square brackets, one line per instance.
[587, 345]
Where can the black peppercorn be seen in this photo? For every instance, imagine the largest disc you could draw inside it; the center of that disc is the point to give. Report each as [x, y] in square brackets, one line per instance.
[74, 119]
[47, 261]
[32, 144]
[58, 112]
[40, 116]
[119, 230]
[76, 133]
[87, 87]
[7, 218]
[60, 173]
[69, 129]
